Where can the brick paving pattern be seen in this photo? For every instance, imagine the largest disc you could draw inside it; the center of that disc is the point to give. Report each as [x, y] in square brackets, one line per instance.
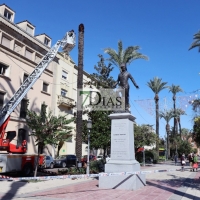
[155, 190]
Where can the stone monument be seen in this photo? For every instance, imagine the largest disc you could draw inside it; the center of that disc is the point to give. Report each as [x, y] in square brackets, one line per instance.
[122, 155]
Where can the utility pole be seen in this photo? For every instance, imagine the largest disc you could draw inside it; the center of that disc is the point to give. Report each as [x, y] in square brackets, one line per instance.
[79, 122]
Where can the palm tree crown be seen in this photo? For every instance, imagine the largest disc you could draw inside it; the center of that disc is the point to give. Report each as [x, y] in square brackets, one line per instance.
[157, 85]
[196, 43]
[124, 56]
[166, 115]
[174, 89]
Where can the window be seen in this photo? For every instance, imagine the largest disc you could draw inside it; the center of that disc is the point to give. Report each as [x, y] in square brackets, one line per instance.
[21, 136]
[1, 99]
[46, 41]
[63, 92]
[47, 158]
[7, 14]
[17, 48]
[25, 77]
[28, 54]
[24, 104]
[5, 41]
[64, 74]
[3, 69]
[45, 87]
[29, 29]
[37, 59]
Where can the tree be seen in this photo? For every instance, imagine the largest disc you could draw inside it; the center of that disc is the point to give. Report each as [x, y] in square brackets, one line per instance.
[167, 116]
[102, 77]
[174, 89]
[156, 86]
[48, 129]
[124, 56]
[196, 106]
[196, 43]
[196, 131]
[144, 136]
[100, 136]
[178, 113]
[79, 123]
[182, 145]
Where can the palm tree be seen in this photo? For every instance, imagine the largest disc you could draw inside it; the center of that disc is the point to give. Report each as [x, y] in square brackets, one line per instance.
[178, 113]
[196, 43]
[156, 86]
[124, 56]
[196, 105]
[174, 89]
[79, 122]
[167, 116]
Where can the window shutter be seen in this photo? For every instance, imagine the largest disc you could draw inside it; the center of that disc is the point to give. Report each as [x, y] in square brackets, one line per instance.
[28, 54]
[17, 48]
[5, 42]
[64, 75]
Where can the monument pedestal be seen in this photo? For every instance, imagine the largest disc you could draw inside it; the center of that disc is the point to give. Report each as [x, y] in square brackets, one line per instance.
[122, 155]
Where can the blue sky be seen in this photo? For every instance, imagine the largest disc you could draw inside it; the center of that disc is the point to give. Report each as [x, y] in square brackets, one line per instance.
[163, 29]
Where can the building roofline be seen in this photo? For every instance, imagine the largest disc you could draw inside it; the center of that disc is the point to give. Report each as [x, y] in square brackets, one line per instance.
[25, 21]
[27, 34]
[7, 6]
[43, 34]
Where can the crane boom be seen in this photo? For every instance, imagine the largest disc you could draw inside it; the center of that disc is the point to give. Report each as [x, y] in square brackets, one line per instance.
[68, 42]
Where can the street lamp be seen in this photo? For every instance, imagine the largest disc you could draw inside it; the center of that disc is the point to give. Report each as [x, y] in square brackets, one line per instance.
[89, 127]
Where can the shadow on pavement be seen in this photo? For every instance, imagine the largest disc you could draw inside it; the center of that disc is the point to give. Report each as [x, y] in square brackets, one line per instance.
[173, 185]
[13, 190]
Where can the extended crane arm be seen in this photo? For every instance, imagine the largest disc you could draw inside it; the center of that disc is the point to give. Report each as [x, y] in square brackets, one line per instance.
[67, 43]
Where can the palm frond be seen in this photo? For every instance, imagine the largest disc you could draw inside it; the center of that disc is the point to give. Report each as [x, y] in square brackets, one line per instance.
[167, 115]
[196, 43]
[124, 56]
[157, 85]
[120, 52]
[174, 89]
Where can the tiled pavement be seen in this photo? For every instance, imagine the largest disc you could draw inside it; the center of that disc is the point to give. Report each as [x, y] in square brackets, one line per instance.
[171, 186]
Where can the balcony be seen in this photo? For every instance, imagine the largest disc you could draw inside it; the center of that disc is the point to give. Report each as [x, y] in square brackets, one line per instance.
[65, 101]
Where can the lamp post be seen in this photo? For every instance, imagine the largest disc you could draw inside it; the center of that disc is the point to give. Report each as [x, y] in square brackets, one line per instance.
[89, 127]
[143, 156]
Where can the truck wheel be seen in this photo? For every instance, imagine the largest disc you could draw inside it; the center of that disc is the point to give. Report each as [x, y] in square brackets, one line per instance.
[27, 170]
[51, 165]
[64, 165]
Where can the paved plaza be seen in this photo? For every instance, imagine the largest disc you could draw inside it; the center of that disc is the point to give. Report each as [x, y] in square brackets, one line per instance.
[173, 185]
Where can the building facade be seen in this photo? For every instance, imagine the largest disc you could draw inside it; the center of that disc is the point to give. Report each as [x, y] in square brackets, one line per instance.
[20, 52]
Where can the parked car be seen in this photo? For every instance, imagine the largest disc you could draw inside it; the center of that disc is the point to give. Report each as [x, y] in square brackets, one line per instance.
[91, 158]
[65, 161]
[49, 162]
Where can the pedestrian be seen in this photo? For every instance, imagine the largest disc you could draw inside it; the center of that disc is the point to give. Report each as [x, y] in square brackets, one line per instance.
[183, 162]
[195, 162]
[175, 159]
[190, 158]
[107, 158]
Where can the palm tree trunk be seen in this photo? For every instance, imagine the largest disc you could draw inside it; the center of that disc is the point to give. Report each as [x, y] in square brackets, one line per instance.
[168, 145]
[157, 121]
[174, 128]
[79, 123]
[168, 141]
[180, 131]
